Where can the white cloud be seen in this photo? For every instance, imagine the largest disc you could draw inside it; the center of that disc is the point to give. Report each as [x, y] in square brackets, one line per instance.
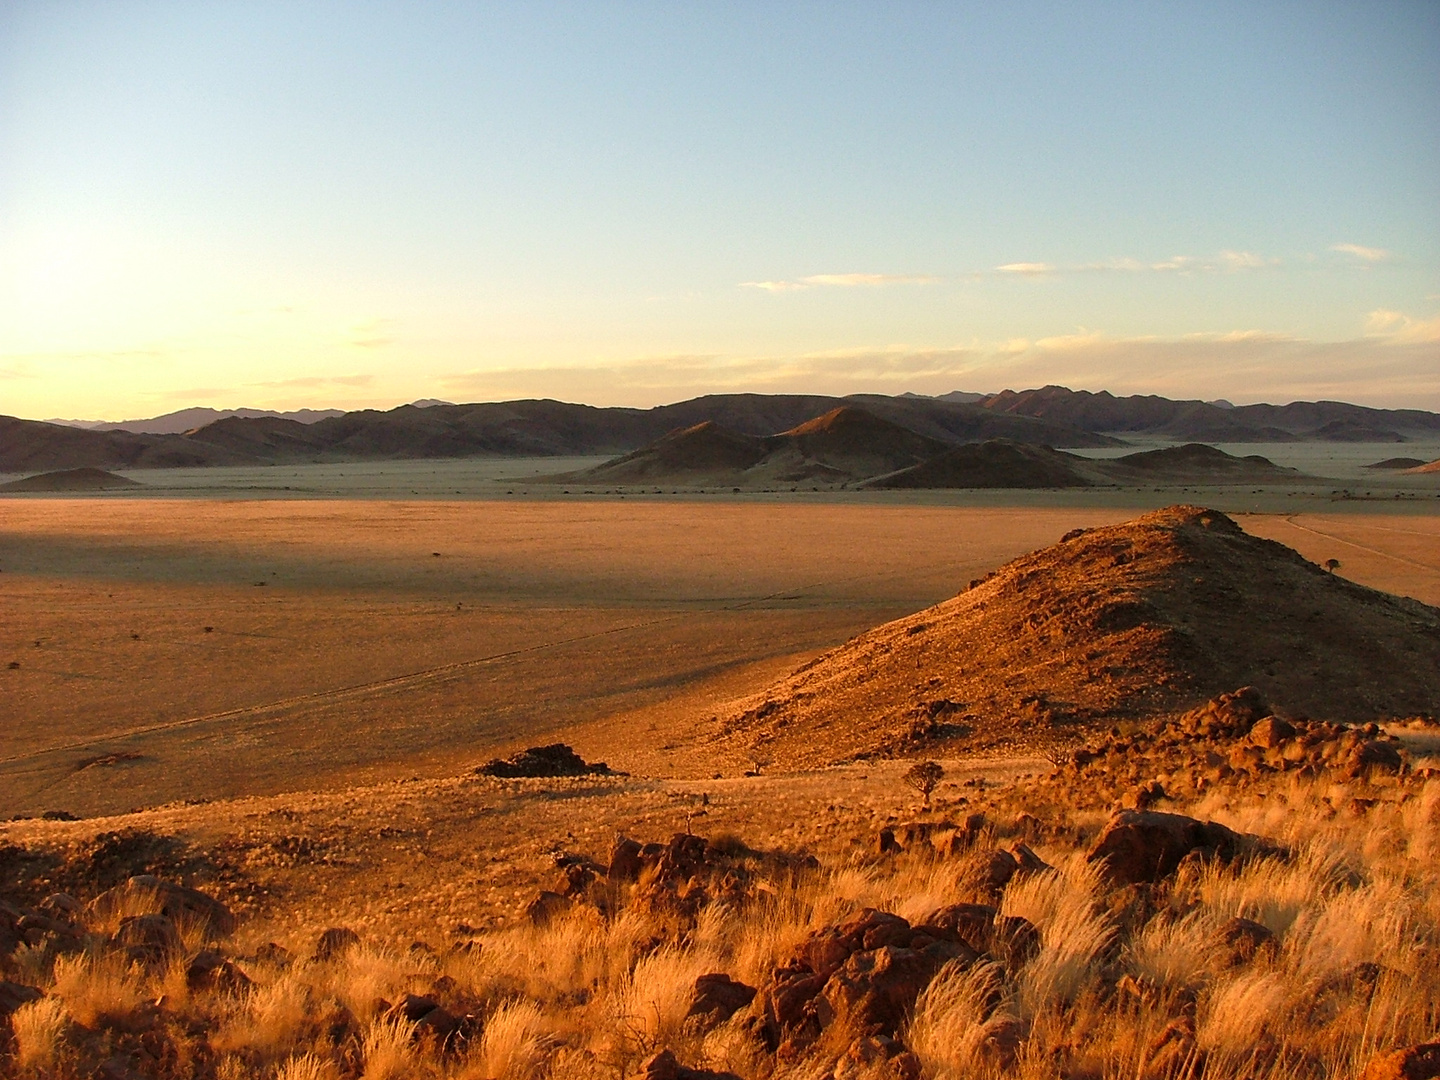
[1027, 269]
[1400, 367]
[1365, 254]
[1397, 327]
[843, 281]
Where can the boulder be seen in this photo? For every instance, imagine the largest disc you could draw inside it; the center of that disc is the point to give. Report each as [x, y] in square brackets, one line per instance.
[148, 894]
[715, 999]
[211, 971]
[877, 1056]
[1271, 732]
[874, 990]
[1146, 845]
[1244, 940]
[13, 995]
[1372, 755]
[1413, 1063]
[663, 1065]
[970, 924]
[546, 908]
[334, 942]
[154, 936]
[625, 861]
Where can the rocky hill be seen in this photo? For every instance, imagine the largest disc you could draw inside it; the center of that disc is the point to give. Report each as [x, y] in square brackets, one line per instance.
[1147, 618]
[1158, 417]
[496, 429]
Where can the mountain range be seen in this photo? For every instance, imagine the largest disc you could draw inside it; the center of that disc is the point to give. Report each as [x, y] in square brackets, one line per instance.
[1051, 416]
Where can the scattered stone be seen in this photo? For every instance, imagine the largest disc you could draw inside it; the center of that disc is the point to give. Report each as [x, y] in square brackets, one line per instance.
[1271, 732]
[211, 971]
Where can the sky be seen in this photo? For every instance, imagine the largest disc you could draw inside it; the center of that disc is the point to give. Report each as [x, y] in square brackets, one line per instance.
[360, 204]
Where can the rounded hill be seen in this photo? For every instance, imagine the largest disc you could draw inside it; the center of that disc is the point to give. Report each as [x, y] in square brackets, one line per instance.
[1154, 616]
[83, 479]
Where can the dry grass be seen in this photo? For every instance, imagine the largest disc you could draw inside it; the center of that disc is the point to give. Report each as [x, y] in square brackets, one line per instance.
[1353, 909]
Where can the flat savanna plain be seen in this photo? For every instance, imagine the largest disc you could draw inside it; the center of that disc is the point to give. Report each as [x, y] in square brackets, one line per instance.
[184, 649]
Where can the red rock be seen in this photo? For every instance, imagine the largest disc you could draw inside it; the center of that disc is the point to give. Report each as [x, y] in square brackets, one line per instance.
[1270, 733]
[716, 998]
[335, 941]
[1145, 845]
[874, 990]
[1413, 1063]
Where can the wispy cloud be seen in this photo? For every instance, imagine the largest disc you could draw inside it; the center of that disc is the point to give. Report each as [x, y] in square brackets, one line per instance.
[312, 382]
[1396, 326]
[1222, 262]
[1397, 363]
[372, 334]
[1027, 269]
[1364, 254]
[842, 281]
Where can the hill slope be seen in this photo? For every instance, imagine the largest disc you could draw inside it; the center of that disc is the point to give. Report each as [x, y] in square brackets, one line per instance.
[997, 463]
[1152, 616]
[84, 479]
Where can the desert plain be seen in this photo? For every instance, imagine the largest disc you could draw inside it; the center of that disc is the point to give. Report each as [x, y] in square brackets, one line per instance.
[281, 696]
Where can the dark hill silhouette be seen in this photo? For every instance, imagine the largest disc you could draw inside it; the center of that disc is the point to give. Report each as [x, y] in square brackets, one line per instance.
[1159, 417]
[34, 446]
[84, 479]
[841, 446]
[1396, 463]
[1152, 617]
[705, 452]
[1195, 463]
[996, 463]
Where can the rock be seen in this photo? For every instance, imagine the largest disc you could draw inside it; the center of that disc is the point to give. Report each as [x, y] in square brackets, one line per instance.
[13, 995]
[211, 971]
[335, 942]
[175, 902]
[557, 759]
[885, 842]
[664, 1066]
[970, 924]
[546, 908]
[1001, 869]
[153, 935]
[1413, 1063]
[875, 989]
[1146, 845]
[1244, 939]
[1372, 756]
[1026, 861]
[683, 858]
[1270, 733]
[625, 862]
[872, 929]
[877, 1057]
[716, 998]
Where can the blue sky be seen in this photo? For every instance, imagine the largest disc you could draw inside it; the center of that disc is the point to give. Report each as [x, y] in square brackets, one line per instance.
[361, 204]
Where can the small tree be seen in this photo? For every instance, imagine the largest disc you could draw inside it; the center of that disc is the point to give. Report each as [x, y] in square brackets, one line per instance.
[923, 776]
[1332, 565]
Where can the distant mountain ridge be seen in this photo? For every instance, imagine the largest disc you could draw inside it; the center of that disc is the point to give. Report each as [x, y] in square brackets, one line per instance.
[1200, 421]
[1050, 416]
[183, 420]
